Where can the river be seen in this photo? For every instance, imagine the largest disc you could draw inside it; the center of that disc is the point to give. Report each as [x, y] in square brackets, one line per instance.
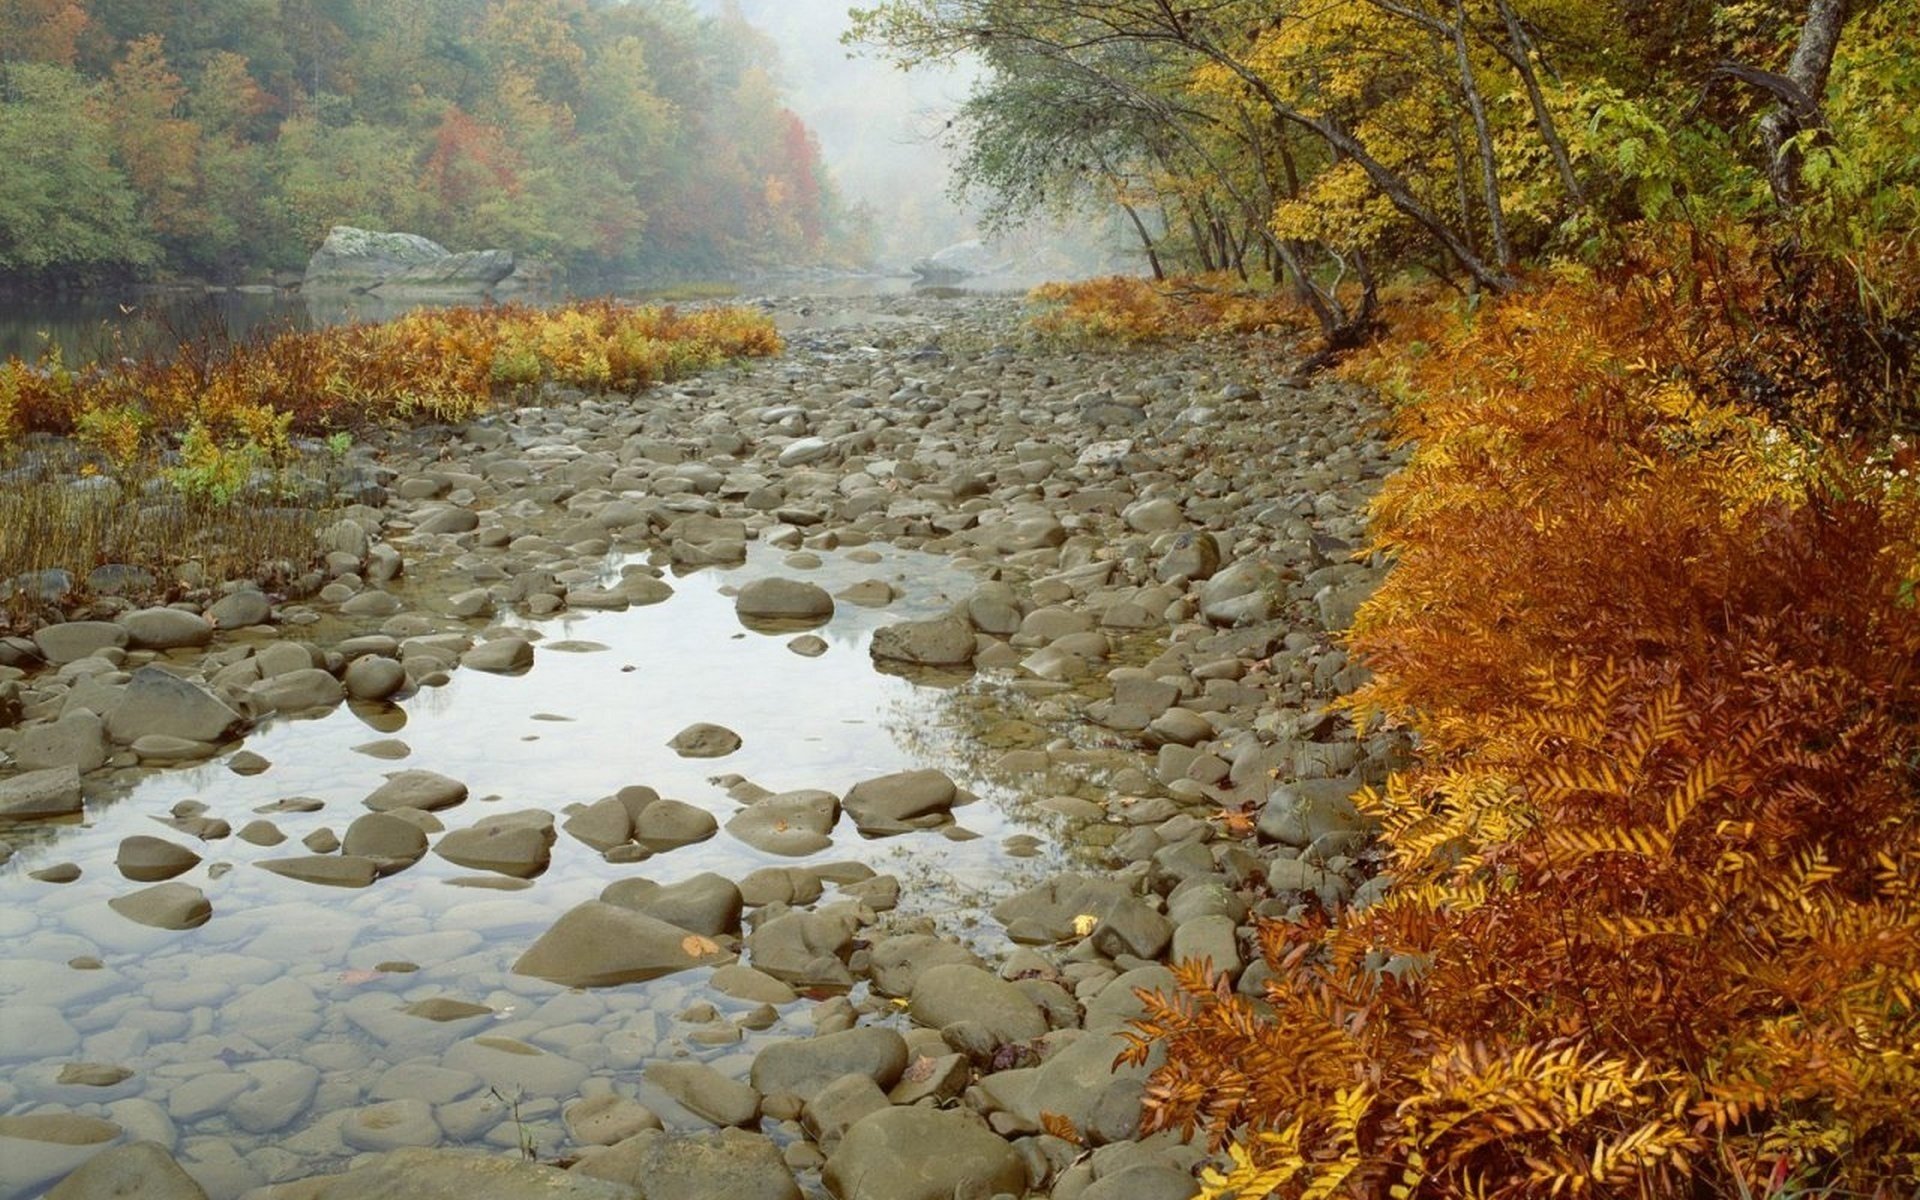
[100, 326]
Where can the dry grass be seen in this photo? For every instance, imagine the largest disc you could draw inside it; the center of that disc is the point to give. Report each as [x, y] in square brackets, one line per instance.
[156, 463]
[61, 517]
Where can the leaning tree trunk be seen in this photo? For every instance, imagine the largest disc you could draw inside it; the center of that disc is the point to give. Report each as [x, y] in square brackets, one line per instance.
[1483, 135]
[1799, 108]
[1522, 58]
[1146, 239]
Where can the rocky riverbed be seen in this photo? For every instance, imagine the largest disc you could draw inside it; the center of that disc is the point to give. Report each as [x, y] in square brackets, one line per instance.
[773, 785]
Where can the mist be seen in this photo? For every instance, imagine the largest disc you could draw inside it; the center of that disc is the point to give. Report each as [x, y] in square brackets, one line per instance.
[878, 126]
[880, 133]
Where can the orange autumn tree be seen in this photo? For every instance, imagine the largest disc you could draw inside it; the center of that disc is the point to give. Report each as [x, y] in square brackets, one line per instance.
[155, 144]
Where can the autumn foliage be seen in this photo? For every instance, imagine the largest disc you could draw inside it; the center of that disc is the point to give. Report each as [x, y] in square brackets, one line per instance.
[1655, 923]
[1123, 308]
[146, 139]
[432, 364]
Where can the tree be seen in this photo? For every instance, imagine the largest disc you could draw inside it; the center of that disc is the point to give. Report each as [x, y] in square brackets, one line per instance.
[55, 142]
[155, 144]
[42, 31]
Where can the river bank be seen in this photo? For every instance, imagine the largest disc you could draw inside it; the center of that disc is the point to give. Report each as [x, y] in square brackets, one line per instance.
[1090, 591]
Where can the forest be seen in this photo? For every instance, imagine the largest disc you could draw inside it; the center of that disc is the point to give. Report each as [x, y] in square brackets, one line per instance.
[1642, 282]
[149, 140]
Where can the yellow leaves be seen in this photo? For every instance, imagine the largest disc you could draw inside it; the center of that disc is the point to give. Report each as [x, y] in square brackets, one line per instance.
[1084, 924]
[1128, 309]
[1654, 922]
[1478, 1095]
[1340, 207]
[1248, 1178]
[698, 946]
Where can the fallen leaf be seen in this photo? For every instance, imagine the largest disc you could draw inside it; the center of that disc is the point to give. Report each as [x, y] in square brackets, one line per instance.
[699, 947]
[1084, 923]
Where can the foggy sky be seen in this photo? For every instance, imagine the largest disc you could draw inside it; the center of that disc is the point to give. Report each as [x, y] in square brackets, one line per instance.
[875, 124]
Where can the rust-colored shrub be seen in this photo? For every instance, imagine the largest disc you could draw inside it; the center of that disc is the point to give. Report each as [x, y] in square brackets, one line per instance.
[1655, 922]
[432, 364]
[1126, 308]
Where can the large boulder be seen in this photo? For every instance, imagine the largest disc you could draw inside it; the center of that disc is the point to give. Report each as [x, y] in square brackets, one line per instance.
[962, 260]
[885, 1156]
[467, 271]
[362, 260]
[598, 945]
[159, 702]
[352, 260]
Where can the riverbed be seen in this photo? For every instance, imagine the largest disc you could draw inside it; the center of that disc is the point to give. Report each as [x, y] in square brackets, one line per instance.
[1143, 554]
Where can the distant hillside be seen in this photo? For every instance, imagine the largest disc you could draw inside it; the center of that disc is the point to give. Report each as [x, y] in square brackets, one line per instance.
[146, 138]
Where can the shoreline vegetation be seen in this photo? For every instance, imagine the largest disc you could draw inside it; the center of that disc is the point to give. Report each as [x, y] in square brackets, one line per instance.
[1646, 921]
[227, 456]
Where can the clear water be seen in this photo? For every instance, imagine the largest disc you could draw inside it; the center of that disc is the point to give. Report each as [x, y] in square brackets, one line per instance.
[284, 972]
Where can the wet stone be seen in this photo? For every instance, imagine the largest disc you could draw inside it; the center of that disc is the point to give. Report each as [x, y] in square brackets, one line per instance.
[151, 859]
[706, 1093]
[883, 1157]
[391, 1124]
[423, 790]
[328, 870]
[33, 1031]
[99, 1075]
[781, 600]
[139, 1171]
[501, 656]
[669, 824]
[599, 945]
[802, 1067]
[443, 1008]
[165, 906]
[605, 1120]
[791, 823]
[731, 1163]
[54, 792]
[704, 740]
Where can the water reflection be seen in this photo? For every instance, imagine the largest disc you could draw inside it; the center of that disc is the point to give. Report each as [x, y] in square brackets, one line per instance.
[96, 327]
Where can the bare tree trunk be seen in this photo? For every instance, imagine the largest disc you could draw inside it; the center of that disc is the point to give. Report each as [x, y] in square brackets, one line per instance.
[1462, 185]
[1522, 58]
[1146, 239]
[1489, 166]
[1201, 249]
[1799, 108]
[1311, 296]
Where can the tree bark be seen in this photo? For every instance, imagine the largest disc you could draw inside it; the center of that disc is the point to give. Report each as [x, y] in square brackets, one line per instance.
[1796, 113]
[1483, 135]
[1146, 239]
[1522, 58]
